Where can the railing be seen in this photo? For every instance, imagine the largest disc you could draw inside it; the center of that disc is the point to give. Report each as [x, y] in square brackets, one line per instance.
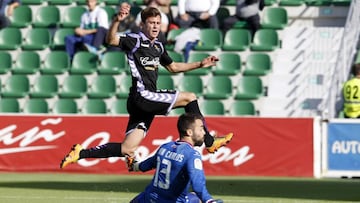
[348, 49]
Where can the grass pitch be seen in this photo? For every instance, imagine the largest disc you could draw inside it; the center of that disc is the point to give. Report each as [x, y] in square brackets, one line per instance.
[81, 188]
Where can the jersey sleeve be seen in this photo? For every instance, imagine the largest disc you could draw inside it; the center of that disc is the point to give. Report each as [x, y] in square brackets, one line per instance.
[165, 59]
[148, 164]
[197, 177]
[128, 42]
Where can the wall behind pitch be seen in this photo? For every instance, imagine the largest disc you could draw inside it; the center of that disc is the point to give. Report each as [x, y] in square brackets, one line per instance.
[260, 147]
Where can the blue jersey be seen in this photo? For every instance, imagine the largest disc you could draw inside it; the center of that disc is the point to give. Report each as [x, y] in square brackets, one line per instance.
[178, 165]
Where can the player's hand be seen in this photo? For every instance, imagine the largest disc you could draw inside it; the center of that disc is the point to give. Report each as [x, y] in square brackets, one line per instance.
[209, 61]
[123, 13]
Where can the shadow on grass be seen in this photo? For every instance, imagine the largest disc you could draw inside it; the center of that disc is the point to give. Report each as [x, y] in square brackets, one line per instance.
[341, 190]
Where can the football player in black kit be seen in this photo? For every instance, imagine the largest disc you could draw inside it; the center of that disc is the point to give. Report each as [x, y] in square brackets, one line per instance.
[145, 53]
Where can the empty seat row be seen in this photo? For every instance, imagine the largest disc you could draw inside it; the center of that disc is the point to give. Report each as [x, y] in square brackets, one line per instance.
[105, 86]
[66, 2]
[118, 106]
[58, 62]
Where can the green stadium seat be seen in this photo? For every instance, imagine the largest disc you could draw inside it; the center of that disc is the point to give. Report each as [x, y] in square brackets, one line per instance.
[341, 2]
[212, 107]
[84, 63]
[9, 105]
[177, 111]
[191, 83]
[58, 41]
[74, 87]
[274, 18]
[16, 86]
[171, 38]
[102, 87]
[94, 106]
[265, 40]
[222, 13]
[195, 57]
[111, 2]
[22, 17]
[45, 86]
[5, 62]
[249, 88]
[36, 39]
[110, 11]
[318, 2]
[177, 57]
[210, 40]
[46, 17]
[230, 3]
[64, 106]
[55, 63]
[236, 40]
[123, 89]
[36, 106]
[257, 64]
[59, 2]
[119, 106]
[242, 108]
[270, 2]
[32, 2]
[112, 63]
[10, 38]
[71, 16]
[83, 2]
[241, 24]
[291, 2]
[165, 82]
[27, 62]
[229, 64]
[218, 87]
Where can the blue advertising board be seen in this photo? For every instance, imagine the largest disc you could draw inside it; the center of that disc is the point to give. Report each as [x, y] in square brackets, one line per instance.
[343, 146]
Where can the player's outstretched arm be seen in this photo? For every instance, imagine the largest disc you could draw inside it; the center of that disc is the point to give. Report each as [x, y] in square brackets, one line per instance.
[177, 67]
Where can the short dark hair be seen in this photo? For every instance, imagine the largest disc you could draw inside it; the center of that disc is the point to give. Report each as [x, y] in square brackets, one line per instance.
[185, 121]
[149, 12]
[356, 69]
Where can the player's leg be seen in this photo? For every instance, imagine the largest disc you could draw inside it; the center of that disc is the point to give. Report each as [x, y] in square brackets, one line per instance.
[189, 101]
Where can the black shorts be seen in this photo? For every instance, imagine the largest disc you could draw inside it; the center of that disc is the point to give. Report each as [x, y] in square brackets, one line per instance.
[143, 107]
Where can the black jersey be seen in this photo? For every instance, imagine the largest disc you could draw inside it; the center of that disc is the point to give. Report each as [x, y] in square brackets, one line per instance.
[144, 59]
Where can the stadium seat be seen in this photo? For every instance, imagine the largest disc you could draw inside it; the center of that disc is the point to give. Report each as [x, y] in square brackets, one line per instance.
[257, 64]
[274, 18]
[318, 2]
[236, 40]
[291, 2]
[58, 41]
[84, 63]
[27, 62]
[198, 56]
[270, 2]
[241, 108]
[83, 2]
[177, 111]
[74, 86]
[119, 106]
[218, 87]
[9, 105]
[222, 13]
[212, 107]
[228, 64]
[64, 106]
[123, 89]
[55, 62]
[113, 63]
[265, 40]
[102, 87]
[230, 3]
[241, 24]
[94, 106]
[191, 83]
[10, 38]
[36, 39]
[46, 17]
[110, 11]
[165, 82]
[111, 2]
[16, 86]
[210, 40]
[249, 88]
[59, 2]
[45, 86]
[71, 16]
[36, 106]
[171, 38]
[5, 62]
[22, 17]
[32, 2]
[177, 57]
[341, 2]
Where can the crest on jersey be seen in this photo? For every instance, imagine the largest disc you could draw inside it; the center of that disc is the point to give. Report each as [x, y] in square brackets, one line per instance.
[198, 164]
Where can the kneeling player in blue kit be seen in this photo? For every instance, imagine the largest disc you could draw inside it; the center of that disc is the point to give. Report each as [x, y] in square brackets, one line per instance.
[178, 165]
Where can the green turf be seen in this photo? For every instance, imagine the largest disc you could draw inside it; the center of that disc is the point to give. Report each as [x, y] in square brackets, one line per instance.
[80, 188]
